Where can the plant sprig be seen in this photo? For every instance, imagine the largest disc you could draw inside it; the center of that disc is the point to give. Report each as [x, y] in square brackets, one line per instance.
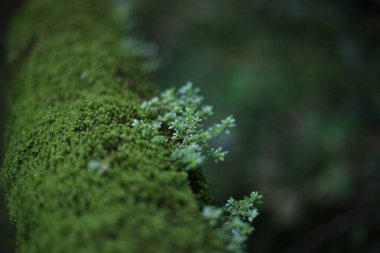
[233, 221]
[177, 117]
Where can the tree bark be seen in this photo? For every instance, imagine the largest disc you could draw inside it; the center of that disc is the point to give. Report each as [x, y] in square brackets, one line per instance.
[73, 97]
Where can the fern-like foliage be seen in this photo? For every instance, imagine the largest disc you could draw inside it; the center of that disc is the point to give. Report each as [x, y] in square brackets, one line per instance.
[233, 221]
[176, 117]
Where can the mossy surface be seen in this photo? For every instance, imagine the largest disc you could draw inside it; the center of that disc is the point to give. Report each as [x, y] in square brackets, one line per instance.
[73, 98]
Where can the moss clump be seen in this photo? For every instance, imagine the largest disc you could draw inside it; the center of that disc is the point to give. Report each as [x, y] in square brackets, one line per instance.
[73, 101]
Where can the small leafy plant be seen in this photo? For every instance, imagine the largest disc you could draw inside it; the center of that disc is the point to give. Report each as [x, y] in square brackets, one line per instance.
[233, 221]
[176, 118]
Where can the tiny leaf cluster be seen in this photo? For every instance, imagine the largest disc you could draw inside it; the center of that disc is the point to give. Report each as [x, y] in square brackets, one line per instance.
[233, 221]
[176, 117]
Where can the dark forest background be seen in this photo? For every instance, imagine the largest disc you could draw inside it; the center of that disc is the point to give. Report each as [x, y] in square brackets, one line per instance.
[302, 79]
[7, 230]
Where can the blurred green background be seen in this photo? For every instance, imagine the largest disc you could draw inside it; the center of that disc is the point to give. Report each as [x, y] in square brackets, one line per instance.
[302, 79]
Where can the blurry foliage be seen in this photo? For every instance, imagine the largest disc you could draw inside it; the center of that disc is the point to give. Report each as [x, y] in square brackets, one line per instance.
[233, 221]
[302, 79]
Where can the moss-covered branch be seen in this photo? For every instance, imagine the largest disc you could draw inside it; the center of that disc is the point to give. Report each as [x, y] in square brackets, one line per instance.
[73, 101]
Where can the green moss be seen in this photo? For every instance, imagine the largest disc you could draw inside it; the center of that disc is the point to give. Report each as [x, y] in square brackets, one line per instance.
[73, 99]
